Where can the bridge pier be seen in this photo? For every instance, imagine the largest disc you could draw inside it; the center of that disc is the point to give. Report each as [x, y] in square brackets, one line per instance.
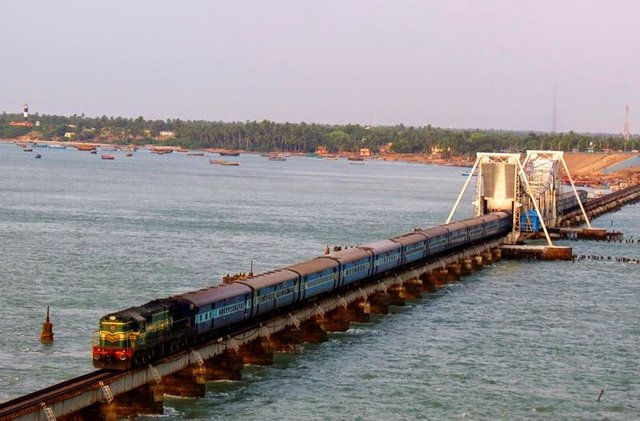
[379, 303]
[188, 383]
[226, 366]
[257, 352]
[466, 267]
[454, 271]
[146, 399]
[439, 277]
[400, 294]
[477, 262]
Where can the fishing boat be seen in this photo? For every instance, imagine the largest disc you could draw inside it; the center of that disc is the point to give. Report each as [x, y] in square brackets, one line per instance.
[38, 156]
[27, 149]
[57, 146]
[222, 162]
[277, 158]
[86, 147]
[195, 153]
[229, 153]
[110, 157]
[130, 154]
[161, 150]
[356, 159]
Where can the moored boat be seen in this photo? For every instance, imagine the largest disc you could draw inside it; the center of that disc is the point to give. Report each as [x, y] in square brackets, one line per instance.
[222, 162]
[107, 157]
[86, 147]
[195, 153]
[229, 153]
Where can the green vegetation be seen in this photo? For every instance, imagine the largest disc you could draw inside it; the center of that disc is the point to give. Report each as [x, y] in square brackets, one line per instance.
[267, 135]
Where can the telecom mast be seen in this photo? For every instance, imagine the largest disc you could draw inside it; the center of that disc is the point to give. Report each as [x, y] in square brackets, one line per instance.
[625, 131]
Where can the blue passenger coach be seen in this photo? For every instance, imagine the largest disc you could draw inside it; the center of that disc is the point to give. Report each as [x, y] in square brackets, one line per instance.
[218, 306]
[414, 246]
[355, 264]
[438, 239]
[387, 255]
[316, 276]
[273, 290]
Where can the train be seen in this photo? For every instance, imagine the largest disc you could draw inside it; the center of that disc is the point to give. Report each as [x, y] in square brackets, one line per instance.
[143, 334]
[567, 201]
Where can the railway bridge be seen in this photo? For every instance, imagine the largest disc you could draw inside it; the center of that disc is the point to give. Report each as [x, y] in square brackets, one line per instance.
[108, 394]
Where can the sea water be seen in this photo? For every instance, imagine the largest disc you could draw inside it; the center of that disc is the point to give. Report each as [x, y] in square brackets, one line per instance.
[517, 340]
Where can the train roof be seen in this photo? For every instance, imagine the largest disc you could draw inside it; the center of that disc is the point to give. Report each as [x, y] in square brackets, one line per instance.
[213, 294]
[410, 238]
[380, 246]
[140, 313]
[314, 265]
[349, 255]
[435, 231]
[458, 225]
[269, 278]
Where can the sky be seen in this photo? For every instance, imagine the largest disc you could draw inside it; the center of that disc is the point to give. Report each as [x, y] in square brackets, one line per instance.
[454, 63]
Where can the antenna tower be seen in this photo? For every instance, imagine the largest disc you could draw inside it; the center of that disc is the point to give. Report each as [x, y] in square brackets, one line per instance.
[625, 131]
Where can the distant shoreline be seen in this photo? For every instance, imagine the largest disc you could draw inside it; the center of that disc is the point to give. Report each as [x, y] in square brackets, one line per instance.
[583, 165]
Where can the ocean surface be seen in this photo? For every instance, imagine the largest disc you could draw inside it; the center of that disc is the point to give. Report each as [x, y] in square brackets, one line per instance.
[517, 340]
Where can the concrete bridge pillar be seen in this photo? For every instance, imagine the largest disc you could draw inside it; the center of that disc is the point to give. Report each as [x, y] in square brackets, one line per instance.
[487, 257]
[226, 366]
[379, 303]
[257, 352]
[496, 254]
[312, 331]
[146, 399]
[415, 286]
[454, 271]
[478, 262]
[466, 267]
[428, 284]
[285, 341]
[185, 383]
[439, 277]
[400, 294]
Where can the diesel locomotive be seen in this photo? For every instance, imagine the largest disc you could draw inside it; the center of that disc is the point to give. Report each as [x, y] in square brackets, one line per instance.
[164, 326]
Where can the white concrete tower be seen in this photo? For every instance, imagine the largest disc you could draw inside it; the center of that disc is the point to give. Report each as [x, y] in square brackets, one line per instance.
[25, 112]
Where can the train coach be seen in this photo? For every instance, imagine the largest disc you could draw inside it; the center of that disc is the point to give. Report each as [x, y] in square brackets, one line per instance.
[138, 335]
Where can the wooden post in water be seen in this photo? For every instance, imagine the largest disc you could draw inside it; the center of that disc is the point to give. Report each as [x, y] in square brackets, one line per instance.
[47, 330]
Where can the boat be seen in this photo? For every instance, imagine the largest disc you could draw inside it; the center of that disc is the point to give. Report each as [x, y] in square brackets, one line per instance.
[86, 147]
[355, 158]
[229, 153]
[107, 157]
[27, 149]
[130, 154]
[466, 174]
[277, 158]
[93, 152]
[356, 162]
[195, 153]
[222, 162]
[38, 156]
[40, 145]
[56, 146]
[161, 150]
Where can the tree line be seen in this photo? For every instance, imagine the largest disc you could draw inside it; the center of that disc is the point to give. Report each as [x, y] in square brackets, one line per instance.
[265, 136]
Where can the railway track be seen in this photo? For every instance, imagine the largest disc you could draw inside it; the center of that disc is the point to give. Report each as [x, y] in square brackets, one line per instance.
[29, 403]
